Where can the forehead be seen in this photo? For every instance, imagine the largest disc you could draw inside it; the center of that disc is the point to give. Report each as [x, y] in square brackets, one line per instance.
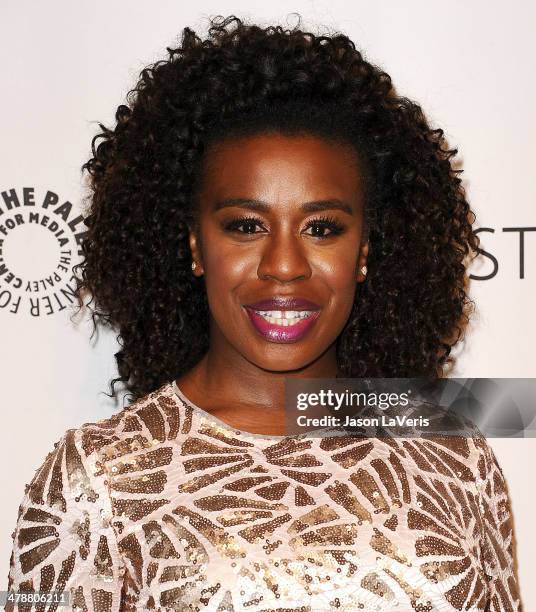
[272, 165]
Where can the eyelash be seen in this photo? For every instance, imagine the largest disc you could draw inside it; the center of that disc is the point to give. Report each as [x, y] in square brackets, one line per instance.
[330, 223]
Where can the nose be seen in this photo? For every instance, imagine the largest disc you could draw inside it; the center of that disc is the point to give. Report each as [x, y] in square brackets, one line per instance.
[284, 259]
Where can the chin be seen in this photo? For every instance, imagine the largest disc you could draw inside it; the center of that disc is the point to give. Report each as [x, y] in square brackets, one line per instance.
[280, 364]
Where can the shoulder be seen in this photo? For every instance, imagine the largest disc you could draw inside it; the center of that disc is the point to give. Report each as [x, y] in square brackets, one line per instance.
[146, 423]
[471, 458]
[460, 460]
[66, 512]
[465, 447]
[82, 454]
[488, 472]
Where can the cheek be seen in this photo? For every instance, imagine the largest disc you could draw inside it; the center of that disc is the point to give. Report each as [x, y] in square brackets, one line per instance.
[226, 269]
[338, 270]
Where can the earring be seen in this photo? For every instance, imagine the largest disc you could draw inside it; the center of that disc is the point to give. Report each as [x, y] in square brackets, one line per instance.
[193, 265]
[364, 270]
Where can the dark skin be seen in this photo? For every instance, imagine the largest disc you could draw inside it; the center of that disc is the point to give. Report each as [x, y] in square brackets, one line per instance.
[241, 378]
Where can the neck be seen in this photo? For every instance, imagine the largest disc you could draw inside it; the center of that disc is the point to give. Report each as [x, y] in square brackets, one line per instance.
[224, 377]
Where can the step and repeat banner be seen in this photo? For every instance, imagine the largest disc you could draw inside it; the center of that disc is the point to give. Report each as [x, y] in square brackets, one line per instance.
[66, 66]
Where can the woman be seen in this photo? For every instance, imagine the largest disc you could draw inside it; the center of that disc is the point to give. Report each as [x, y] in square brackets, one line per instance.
[267, 207]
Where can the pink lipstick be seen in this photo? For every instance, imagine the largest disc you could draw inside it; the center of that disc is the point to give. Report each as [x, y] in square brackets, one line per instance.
[283, 319]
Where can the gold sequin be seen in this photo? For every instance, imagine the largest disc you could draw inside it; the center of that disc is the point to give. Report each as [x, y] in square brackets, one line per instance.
[161, 508]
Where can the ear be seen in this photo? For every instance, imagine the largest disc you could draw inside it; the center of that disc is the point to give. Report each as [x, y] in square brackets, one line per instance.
[362, 261]
[194, 240]
[364, 232]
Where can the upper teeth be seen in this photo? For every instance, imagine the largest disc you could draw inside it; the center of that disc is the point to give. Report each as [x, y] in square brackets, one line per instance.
[284, 317]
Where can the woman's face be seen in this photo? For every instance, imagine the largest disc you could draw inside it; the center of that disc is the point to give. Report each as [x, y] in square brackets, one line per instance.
[281, 218]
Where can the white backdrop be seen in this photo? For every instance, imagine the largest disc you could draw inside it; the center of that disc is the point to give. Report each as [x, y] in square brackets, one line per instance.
[67, 65]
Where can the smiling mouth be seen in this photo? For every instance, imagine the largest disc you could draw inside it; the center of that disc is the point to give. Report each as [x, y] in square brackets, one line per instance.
[284, 318]
[282, 326]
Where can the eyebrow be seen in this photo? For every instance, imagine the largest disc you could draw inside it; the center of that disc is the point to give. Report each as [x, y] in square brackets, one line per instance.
[260, 206]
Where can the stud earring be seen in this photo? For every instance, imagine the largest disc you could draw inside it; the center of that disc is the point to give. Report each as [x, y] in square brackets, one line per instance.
[194, 265]
[364, 270]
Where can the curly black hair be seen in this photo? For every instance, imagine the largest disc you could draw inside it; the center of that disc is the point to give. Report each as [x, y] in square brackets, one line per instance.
[144, 175]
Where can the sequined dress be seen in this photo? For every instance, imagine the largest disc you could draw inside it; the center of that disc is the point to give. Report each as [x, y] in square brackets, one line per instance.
[165, 507]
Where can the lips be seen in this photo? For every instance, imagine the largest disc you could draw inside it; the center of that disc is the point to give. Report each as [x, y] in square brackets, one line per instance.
[283, 319]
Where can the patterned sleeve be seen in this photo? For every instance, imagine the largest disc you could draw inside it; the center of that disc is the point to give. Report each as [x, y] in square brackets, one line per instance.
[498, 543]
[64, 540]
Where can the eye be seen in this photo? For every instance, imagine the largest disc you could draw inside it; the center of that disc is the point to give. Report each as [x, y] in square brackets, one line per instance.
[249, 223]
[320, 224]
